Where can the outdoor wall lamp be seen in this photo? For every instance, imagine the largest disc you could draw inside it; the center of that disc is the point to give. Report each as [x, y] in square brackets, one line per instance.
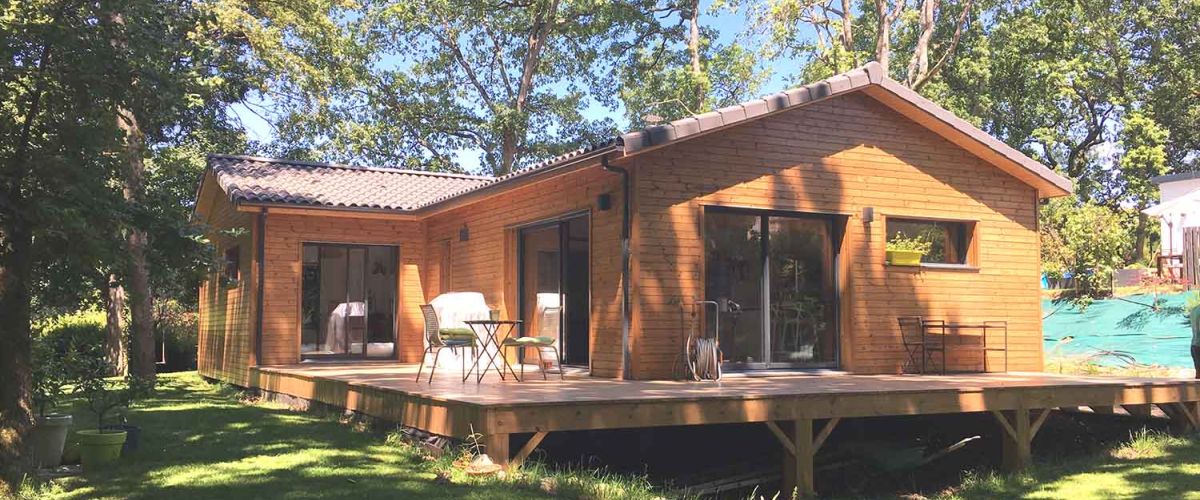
[464, 234]
[868, 215]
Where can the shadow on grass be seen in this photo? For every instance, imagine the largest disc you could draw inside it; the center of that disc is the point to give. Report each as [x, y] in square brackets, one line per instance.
[199, 442]
[1151, 467]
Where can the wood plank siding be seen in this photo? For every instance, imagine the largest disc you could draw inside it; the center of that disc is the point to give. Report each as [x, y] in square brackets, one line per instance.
[487, 261]
[286, 234]
[839, 156]
[226, 311]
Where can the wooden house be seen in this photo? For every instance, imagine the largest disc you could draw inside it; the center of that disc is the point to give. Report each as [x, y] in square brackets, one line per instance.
[768, 220]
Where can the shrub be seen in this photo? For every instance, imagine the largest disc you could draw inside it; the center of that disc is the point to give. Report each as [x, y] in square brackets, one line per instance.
[902, 242]
[82, 332]
[177, 326]
[50, 375]
[102, 394]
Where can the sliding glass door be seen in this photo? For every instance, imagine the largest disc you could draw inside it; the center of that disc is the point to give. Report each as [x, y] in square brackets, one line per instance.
[348, 301]
[554, 284]
[772, 276]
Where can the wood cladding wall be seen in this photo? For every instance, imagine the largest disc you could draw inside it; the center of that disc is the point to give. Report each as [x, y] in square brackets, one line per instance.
[487, 261]
[285, 236]
[226, 310]
[839, 156]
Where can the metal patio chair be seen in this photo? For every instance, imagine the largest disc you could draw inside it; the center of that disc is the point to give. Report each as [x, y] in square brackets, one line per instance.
[439, 338]
[916, 342]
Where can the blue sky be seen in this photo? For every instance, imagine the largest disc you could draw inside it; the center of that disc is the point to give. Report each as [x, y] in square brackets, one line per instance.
[729, 24]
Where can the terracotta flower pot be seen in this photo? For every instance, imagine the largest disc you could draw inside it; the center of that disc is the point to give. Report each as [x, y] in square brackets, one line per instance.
[99, 449]
[47, 439]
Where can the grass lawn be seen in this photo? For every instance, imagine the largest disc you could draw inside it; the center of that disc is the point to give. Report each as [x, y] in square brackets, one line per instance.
[1148, 466]
[200, 441]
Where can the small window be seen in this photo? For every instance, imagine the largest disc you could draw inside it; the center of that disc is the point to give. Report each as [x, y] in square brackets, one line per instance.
[231, 265]
[948, 242]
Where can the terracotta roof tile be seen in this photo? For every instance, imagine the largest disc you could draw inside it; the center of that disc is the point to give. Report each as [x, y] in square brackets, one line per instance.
[265, 180]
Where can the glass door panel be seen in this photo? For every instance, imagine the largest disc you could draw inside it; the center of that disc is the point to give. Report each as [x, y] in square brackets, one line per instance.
[312, 315]
[381, 283]
[734, 280]
[348, 300]
[541, 281]
[803, 331]
[355, 313]
[575, 289]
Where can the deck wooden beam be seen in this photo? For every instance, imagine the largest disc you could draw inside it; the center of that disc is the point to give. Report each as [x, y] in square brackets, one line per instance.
[798, 466]
[1183, 416]
[1037, 424]
[526, 450]
[783, 438]
[496, 447]
[800, 450]
[1141, 410]
[1018, 439]
[826, 430]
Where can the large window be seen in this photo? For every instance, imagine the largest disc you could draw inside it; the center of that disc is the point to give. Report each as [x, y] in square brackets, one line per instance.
[348, 301]
[949, 242]
[772, 280]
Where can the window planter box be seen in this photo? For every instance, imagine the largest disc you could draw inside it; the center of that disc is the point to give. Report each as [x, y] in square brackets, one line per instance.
[904, 257]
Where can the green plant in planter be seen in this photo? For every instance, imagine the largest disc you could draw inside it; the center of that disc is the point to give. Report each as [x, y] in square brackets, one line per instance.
[101, 447]
[49, 434]
[907, 251]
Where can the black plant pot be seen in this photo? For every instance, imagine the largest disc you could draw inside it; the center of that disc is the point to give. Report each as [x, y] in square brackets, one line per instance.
[133, 435]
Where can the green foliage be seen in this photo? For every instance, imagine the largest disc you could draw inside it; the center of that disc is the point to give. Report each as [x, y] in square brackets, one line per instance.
[102, 394]
[1085, 241]
[178, 325]
[81, 332]
[901, 242]
[50, 377]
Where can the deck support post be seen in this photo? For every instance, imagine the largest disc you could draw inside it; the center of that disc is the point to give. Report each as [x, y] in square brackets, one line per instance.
[496, 447]
[1184, 416]
[526, 450]
[800, 447]
[1018, 437]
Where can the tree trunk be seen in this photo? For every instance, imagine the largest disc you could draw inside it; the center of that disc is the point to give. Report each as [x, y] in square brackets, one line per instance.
[848, 32]
[694, 53]
[543, 24]
[886, 16]
[1139, 244]
[16, 412]
[16, 262]
[918, 65]
[114, 327]
[141, 301]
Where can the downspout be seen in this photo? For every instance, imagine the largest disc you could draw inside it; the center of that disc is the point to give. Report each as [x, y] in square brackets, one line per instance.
[626, 362]
[260, 257]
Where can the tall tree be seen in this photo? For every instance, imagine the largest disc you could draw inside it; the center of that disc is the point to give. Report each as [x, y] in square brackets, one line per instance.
[51, 176]
[443, 80]
[679, 68]
[836, 35]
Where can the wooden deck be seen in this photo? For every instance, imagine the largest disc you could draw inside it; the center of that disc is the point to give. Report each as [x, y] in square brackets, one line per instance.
[788, 404]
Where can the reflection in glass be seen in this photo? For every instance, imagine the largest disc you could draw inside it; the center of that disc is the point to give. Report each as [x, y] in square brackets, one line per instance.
[802, 329]
[348, 300]
[734, 281]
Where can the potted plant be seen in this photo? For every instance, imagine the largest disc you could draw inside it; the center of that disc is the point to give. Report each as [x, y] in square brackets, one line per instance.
[905, 251]
[100, 447]
[49, 433]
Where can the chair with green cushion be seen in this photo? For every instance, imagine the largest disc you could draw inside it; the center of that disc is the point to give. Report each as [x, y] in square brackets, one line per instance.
[440, 338]
[537, 343]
